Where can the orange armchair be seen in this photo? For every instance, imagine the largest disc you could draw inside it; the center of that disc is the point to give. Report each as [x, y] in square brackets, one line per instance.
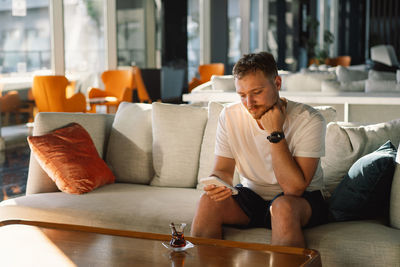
[117, 83]
[10, 103]
[206, 71]
[49, 93]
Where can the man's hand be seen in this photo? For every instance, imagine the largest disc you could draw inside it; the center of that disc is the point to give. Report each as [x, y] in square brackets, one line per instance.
[217, 193]
[273, 119]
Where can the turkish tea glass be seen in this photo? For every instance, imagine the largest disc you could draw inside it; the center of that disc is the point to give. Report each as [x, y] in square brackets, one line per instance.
[177, 231]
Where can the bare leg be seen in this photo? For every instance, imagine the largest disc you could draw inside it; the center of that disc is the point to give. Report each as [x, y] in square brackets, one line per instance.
[288, 215]
[210, 216]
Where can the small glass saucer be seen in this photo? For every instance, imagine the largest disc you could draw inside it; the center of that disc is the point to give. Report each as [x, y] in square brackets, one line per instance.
[188, 245]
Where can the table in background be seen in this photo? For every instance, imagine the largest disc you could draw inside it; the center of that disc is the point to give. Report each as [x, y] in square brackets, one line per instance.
[109, 102]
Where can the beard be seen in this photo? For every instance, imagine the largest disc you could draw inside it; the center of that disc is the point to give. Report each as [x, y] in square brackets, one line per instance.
[257, 111]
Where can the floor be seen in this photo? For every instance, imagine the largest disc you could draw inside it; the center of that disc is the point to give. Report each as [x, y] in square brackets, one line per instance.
[14, 161]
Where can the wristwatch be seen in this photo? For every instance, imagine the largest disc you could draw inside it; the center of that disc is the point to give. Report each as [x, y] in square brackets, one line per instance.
[275, 137]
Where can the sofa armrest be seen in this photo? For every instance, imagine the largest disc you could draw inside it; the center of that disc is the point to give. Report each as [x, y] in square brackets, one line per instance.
[97, 125]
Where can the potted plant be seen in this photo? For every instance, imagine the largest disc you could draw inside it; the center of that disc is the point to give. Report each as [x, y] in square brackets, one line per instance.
[316, 54]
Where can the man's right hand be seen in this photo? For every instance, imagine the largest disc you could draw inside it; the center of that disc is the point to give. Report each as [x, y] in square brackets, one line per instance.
[217, 193]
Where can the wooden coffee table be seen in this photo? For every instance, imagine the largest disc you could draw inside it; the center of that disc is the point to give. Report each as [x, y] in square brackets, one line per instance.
[27, 243]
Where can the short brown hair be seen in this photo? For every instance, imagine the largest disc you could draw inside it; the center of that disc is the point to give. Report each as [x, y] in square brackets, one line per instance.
[263, 61]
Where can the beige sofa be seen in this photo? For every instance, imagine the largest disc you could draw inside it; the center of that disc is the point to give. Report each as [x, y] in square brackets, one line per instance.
[158, 152]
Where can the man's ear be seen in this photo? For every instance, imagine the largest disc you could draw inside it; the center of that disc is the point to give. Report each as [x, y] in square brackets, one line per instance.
[278, 82]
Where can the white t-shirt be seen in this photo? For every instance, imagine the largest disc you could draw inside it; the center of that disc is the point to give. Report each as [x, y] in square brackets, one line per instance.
[239, 137]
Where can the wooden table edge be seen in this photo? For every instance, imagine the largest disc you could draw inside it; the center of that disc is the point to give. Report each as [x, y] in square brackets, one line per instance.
[313, 255]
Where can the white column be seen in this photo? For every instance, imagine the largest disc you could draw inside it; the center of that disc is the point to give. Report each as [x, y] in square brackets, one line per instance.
[205, 31]
[263, 14]
[244, 7]
[150, 35]
[57, 37]
[322, 15]
[334, 27]
[367, 24]
[110, 10]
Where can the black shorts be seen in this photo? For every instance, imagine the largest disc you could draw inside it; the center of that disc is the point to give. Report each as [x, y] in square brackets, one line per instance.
[257, 209]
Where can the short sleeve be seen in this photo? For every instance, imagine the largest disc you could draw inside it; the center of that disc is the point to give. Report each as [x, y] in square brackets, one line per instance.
[310, 141]
[222, 147]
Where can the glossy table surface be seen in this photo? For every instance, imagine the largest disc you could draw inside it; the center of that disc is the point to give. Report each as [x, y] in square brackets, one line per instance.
[25, 243]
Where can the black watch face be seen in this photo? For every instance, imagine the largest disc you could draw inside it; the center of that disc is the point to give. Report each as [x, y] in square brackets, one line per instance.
[275, 137]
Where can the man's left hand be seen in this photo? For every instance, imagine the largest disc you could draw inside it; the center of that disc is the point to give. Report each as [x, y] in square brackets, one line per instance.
[273, 119]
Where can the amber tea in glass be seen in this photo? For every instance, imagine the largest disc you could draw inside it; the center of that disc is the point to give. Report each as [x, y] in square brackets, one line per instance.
[178, 239]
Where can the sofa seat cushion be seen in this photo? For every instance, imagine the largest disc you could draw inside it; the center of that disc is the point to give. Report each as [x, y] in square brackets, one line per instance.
[116, 206]
[359, 243]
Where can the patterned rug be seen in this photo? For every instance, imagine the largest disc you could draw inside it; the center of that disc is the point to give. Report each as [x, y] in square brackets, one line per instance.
[14, 162]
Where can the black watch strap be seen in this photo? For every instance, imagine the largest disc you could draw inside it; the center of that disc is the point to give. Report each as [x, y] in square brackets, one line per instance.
[275, 137]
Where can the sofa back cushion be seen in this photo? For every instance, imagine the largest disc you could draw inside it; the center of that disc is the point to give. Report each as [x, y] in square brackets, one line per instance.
[394, 210]
[346, 75]
[328, 112]
[207, 155]
[364, 192]
[306, 81]
[346, 144]
[225, 83]
[97, 125]
[129, 153]
[177, 137]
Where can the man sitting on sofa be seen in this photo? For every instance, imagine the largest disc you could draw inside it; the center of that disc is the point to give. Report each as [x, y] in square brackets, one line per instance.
[276, 146]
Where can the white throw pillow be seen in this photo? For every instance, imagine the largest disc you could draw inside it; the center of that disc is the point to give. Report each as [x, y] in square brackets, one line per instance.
[177, 136]
[226, 83]
[345, 75]
[129, 152]
[398, 76]
[207, 155]
[344, 145]
[328, 112]
[381, 75]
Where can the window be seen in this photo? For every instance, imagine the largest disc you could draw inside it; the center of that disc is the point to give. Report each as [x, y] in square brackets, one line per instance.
[24, 37]
[84, 41]
[131, 33]
[235, 24]
[193, 29]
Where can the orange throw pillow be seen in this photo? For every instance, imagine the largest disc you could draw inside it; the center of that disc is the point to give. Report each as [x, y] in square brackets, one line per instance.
[69, 157]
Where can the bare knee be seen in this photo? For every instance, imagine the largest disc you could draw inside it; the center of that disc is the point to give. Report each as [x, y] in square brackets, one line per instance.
[207, 221]
[282, 209]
